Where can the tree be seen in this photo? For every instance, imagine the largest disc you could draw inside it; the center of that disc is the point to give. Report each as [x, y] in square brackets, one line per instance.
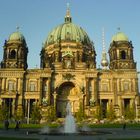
[19, 113]
[80, 115]
[36, 113]
[99, 113]
[4, 113]
[51, 115]
[110, 113]
[129, 113]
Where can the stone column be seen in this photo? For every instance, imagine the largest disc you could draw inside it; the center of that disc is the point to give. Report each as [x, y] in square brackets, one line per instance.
[20, 97]
[87, 91]
[119, 106]
[48, 90]
[96, 91]
[55, 96]
[0, 84]
[13, 106]
[40, 89]
[80, 56]
[115, 84]
[56, 56]
[92, 90]
[3, 83]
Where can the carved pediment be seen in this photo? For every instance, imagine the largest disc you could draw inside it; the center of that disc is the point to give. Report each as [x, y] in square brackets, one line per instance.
[68, 76]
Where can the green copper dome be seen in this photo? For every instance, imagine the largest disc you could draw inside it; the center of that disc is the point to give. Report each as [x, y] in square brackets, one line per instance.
[16, 36]
[120, 36]
[68, 32]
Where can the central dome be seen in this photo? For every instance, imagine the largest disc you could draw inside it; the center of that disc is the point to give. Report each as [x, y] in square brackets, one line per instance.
[68, 44]
[68, 32]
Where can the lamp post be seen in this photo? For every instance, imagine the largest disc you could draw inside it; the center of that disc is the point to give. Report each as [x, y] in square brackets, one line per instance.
[28, 112]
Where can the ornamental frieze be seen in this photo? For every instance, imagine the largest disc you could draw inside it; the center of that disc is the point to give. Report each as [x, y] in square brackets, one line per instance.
[13, 74]
[68, 76]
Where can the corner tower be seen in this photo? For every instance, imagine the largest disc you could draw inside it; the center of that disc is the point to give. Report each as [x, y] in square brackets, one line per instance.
[121, 52]
[15, 52]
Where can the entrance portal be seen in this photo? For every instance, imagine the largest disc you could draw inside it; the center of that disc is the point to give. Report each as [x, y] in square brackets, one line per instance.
[67, 92]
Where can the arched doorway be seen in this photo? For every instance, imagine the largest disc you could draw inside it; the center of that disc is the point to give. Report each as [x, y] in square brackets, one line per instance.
[67, 92]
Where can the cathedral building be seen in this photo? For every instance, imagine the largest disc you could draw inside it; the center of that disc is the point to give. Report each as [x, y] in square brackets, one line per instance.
[68, 73]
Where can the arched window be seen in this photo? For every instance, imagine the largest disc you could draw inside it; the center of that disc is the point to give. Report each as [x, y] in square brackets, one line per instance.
[32, 86]
[123, 55]
[126, 86]
[13, 54]
[11, 85]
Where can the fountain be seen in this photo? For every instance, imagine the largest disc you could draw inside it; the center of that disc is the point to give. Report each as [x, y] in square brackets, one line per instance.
[69, 126]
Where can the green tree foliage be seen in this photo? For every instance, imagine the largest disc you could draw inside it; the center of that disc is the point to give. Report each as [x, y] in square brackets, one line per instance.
[51, 115]
[19, 113]
[130, 113]
[99, 113]
[110, 113]
[36, 113]
[80, 115]
[4, 113]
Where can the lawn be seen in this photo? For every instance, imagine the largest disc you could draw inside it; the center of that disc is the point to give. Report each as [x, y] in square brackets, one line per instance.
[34, 126]
[125, 139]
[106, 125]
[117, 125]
[9, 138]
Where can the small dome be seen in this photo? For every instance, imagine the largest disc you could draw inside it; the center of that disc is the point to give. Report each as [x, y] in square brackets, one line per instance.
[68, 32]
[120, 36]
[16, 36]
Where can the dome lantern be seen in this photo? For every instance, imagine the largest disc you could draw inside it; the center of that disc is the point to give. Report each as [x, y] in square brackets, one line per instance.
[68, 17]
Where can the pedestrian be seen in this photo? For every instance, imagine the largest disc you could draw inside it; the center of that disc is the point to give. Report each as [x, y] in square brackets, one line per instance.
[124, 126]
[17, 125]
[6, 124]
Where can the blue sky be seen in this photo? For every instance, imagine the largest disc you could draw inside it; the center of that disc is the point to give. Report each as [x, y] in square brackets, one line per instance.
[36, 18]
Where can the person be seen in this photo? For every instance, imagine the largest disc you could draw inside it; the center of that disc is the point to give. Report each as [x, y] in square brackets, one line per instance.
[17, 125]
[6, 124]
[124, 126]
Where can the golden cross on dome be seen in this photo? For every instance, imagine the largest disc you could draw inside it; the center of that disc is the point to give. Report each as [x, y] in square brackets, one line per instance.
[17, 28]
[68, 10]
[118, 28]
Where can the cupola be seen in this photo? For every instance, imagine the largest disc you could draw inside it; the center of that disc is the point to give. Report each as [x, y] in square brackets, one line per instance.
[15, 51]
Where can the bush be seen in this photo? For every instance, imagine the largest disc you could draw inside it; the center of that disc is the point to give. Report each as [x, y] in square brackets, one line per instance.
[80, 115]
[110, 113]
[36, 113]
[51, 115]
[4, 113]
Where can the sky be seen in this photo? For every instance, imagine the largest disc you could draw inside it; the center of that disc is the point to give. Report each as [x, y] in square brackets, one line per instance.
[36, 18]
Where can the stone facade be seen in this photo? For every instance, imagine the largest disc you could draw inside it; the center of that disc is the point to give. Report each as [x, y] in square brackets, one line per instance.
[68, 73]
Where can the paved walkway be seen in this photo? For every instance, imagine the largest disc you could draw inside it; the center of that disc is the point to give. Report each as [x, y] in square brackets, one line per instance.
[110, 133]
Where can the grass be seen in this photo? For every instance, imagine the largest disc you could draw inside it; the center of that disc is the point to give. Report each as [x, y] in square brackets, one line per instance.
[54, 125]
[9, 138]
[125, 139]
[117, 125]
[34, 126]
